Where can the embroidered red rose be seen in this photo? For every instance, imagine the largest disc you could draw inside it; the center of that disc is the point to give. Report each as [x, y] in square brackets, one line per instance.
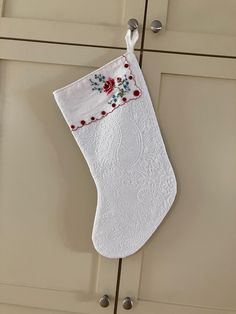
[109, 85]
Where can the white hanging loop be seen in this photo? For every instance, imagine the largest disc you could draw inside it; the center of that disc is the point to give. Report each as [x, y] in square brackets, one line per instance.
[131, 38]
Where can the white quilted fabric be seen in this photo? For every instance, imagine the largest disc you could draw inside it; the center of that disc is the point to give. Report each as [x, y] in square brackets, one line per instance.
[122, 144]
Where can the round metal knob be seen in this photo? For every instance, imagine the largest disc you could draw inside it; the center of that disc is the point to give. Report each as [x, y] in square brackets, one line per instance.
[104, 301]
[132, 24]
[127, 303]
[156, 26]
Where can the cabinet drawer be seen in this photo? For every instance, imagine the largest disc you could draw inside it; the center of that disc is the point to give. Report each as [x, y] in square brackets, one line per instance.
[193, 26]
[70, 21]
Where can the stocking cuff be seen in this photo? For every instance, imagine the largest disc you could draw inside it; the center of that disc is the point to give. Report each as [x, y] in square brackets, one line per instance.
[99, 93]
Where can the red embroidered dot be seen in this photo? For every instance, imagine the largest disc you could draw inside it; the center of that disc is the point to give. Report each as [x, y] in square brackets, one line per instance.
[118, 79]
[130, 77]
[113, 105]
[82, 122]
[136, 92]
[92, 118]
[124, 99]
[126, 65]
[103, 113]
[72, 126]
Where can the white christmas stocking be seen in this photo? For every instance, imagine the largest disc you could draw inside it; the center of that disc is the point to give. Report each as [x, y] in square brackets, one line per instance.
[111, 117]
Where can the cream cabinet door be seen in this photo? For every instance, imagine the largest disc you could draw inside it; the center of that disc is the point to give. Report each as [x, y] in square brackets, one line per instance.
[189, 264]
[194, 26]
[87, 22]
[47, 195]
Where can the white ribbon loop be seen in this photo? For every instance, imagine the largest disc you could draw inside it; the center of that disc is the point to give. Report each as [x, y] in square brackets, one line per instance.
[131, 39]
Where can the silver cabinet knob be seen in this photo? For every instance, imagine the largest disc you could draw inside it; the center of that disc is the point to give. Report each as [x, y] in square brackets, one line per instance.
[132, 24]
[156, 26]
[127, 303]
[104, 301]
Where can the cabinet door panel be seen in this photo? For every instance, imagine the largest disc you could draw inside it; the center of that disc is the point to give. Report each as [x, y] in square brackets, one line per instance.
[47, 195]
[70, 21]
[195, 26]
[188, 266]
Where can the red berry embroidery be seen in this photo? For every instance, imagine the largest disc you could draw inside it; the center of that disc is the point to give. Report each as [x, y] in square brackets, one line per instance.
[92, 118]
[124, 99]
[103, 113]
[136, 93]
[82, 122]
[126, 65]
[118, 79]
[113, 105]
[130, 77]
[72, 126]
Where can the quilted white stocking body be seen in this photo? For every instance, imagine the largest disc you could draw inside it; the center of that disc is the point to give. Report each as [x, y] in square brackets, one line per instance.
[111, 117]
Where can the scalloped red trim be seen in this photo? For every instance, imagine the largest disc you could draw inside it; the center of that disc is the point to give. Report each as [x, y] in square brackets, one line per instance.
[137, 93]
